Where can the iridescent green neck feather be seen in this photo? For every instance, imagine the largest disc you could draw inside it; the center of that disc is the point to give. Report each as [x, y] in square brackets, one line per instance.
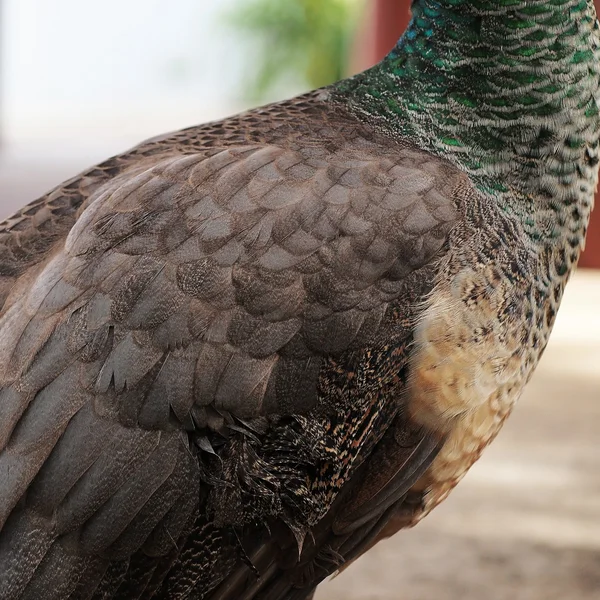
[506, 89]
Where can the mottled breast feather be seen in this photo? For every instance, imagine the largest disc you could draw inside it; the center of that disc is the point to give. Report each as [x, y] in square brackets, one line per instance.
[270, 265]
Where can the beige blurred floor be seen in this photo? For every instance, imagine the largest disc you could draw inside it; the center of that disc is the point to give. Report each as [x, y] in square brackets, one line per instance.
[525, 522]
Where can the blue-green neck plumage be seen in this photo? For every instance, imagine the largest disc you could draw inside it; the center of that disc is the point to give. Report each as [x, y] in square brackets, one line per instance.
[506, 89]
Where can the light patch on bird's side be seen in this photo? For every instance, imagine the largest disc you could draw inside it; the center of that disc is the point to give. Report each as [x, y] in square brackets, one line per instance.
[466, 371]
[464, 349]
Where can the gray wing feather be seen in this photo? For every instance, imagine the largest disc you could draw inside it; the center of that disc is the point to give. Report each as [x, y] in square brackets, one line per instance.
[218, 280]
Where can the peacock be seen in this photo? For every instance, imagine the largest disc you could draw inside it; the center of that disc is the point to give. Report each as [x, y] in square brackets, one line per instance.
[235, 357]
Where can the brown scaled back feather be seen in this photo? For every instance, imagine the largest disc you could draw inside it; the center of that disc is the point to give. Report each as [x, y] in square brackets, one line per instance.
[204, 355]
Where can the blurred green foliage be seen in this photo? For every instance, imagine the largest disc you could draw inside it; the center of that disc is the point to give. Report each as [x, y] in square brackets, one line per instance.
[306, 43]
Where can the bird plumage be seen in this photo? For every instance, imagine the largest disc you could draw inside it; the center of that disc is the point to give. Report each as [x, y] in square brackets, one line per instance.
[236, 356]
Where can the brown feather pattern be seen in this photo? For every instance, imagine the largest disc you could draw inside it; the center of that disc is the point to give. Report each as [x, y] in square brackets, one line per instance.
[203, 342]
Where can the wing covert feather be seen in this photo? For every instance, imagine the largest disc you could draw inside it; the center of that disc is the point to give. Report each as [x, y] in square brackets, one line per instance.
[191, 290]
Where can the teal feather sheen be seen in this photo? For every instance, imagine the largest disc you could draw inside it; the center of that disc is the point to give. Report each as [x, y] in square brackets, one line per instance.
[505, 89]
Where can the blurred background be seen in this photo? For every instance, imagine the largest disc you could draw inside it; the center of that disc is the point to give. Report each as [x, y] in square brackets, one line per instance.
[80, 81]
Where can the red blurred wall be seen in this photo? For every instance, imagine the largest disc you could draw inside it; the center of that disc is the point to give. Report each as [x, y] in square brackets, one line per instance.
[387, 20]
[591, 256]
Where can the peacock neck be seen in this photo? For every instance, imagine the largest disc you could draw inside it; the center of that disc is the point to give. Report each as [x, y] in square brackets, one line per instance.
[506, 89]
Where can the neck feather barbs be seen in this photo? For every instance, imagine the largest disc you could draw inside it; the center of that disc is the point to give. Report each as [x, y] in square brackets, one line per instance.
[493, 83]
